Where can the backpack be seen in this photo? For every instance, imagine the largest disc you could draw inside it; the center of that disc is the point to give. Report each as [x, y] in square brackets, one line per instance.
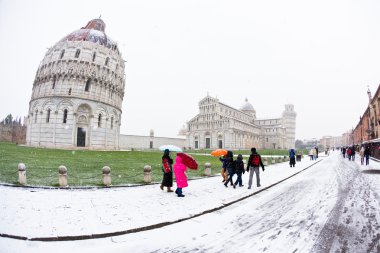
[255, 160]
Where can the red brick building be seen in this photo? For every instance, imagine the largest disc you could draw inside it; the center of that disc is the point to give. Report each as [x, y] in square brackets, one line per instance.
[368, 126]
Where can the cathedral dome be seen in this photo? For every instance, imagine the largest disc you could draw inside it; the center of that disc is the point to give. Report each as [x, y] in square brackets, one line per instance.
[94, 32]
[247, 106]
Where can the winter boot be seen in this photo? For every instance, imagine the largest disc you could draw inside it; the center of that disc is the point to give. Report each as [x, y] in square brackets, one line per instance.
[170, 190]
[161, 187]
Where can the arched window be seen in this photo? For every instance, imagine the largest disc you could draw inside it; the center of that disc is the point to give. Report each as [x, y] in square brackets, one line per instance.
[107, 61]
[88, 83]
[35, 117]
[65, 116]
[62, 54]
[77, 53]
[93, 56]
[48, 116]
[111, 122]
[100, 120]
[53, 85]
[70, 91]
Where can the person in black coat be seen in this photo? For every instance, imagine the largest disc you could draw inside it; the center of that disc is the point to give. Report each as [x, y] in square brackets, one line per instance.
[366, 155]
[239, 168]
[230, 165]
[167, 169]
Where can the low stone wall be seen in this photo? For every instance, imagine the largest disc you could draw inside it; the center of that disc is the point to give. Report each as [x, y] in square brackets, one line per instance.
[148, 142]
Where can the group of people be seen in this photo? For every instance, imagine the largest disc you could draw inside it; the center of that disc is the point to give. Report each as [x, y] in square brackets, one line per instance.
[230, 167]
[313, 153]
[350, 153]
[179, 172]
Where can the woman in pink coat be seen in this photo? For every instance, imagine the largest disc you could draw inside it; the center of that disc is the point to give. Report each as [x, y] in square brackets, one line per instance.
[180, 176]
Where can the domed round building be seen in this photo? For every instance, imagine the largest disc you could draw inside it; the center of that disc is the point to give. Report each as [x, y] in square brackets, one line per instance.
[78, 92]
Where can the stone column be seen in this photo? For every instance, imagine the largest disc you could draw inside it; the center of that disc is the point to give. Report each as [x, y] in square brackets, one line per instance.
[106, 175]
[207, 170]
[21, 173]
[147, 174]
[62, 180]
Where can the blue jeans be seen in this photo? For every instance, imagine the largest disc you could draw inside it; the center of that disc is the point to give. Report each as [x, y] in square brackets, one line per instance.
[239, 180]
[230, 175]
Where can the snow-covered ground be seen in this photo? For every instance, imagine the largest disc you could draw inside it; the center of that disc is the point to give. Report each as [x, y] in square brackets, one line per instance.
[331, 207]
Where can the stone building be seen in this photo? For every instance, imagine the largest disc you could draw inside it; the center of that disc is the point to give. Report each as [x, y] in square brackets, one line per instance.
[218, 125]
[368, 126]
[77, 92]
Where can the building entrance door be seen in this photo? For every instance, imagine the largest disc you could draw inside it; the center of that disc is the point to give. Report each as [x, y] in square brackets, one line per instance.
[81, 137]
[208, 142]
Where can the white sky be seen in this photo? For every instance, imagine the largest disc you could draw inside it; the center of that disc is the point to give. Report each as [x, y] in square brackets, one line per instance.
[318, 55]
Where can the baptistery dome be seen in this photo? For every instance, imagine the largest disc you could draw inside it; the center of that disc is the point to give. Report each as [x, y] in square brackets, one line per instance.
[78, 92]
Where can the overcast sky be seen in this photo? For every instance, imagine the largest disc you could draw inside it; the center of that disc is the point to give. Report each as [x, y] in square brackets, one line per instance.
[318, 55]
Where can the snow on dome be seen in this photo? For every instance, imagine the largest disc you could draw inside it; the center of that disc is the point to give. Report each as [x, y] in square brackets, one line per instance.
[247, 106]
[94, 31]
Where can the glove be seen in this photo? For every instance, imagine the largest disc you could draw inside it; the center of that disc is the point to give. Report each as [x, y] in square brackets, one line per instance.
[263, 168]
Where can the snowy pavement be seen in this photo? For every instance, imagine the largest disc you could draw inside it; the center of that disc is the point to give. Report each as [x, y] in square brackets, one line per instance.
[331, 207]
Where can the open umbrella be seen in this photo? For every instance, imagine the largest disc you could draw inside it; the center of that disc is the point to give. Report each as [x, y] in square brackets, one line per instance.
[219, 152]
[188, 160]
[170, 147]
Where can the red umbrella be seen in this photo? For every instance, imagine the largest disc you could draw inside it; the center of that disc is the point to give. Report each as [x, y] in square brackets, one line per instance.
[188, 160]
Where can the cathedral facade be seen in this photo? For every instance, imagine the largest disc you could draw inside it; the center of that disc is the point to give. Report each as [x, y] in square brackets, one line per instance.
[218, 125]
[78, 92]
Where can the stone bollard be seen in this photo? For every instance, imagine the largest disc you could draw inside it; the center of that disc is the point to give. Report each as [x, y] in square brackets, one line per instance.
[21, 173]
[273, 160]
[265, 161]
[62, 180]
[147, 174]
[207, 170]
[106, 176]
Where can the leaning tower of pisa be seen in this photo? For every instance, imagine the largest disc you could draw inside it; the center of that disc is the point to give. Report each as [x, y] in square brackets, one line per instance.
[289, 122]
[78, 92]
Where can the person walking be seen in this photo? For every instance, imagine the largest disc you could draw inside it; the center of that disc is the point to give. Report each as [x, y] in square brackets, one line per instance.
[239, 167]
[292, 157]
[311, 154]
[367, 154]
[230, 165]
[349, 153]
[353, 152]
[180, 176]
[253, 166]
[361, 153]
[223, 172]
[344, 152]
[167, 163]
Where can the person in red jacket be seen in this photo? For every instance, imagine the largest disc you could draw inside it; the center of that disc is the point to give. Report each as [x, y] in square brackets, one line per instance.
[253, 166]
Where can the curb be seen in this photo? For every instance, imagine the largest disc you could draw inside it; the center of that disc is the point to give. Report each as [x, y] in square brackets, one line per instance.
[150, 227]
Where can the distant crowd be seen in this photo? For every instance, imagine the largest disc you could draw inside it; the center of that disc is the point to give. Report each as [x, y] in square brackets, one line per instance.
[350, 153]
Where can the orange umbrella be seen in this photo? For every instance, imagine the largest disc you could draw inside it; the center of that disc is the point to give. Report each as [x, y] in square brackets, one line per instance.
[219, 152]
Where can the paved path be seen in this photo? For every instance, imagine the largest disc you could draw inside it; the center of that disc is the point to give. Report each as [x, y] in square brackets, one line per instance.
[65, 214]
